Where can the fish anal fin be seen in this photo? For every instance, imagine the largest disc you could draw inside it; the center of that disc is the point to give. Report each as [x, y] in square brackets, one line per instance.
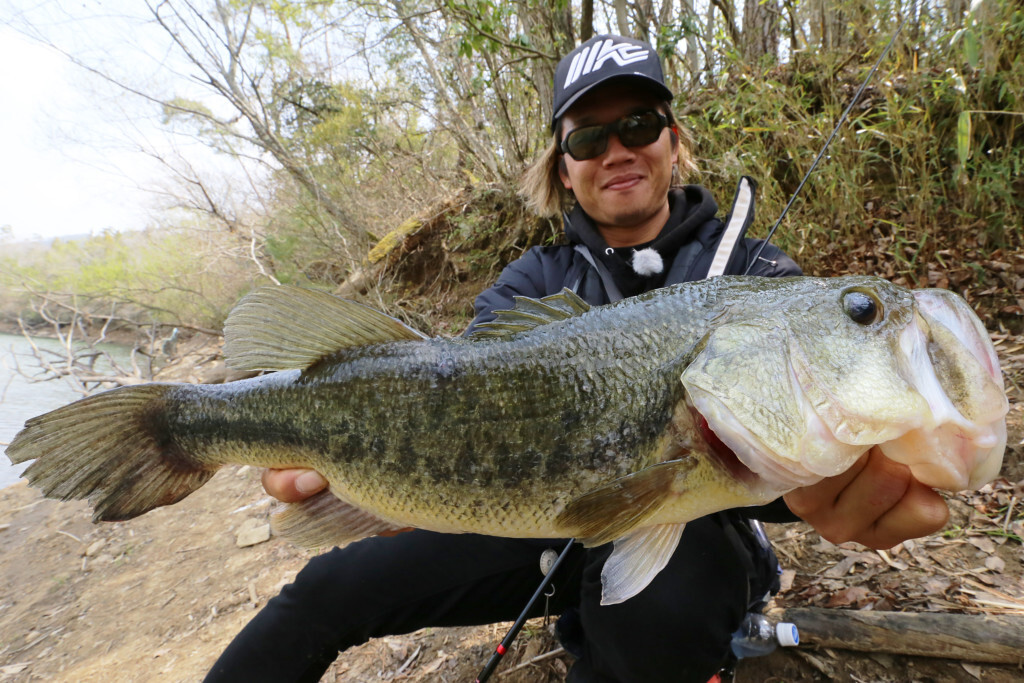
[613, 510]
[286, 328]
[529, 313]
[324, 520]
[636, 560]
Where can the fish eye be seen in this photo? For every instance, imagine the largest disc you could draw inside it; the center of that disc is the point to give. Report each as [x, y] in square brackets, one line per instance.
[861, 307]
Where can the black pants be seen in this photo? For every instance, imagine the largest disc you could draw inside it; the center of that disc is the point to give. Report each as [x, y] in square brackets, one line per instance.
[676, 629]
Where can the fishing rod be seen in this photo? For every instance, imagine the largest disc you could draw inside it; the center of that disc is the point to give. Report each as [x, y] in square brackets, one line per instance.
[842, 119]
[503, 646]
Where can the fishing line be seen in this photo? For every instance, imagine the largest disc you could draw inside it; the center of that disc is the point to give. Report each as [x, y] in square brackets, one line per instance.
[842, 119]
[503, 646]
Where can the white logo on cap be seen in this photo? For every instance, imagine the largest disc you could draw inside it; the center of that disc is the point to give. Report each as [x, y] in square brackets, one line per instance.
[593, 58]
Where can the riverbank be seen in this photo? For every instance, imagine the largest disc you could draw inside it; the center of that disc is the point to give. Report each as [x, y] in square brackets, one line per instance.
[116, 335]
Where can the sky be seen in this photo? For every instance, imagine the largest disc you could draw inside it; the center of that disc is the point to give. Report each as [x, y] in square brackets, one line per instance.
[71, 144]
[51, 185]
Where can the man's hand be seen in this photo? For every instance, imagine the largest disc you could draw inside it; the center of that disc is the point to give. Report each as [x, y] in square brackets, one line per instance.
[291, 486]
[877, 503]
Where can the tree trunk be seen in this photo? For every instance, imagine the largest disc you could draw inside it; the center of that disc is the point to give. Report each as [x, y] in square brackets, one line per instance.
[709, 43]
[760, 30]
[621, 18]
[996, 638]
[729, 19]
[644, 19]
[586, 20]
[550, 31]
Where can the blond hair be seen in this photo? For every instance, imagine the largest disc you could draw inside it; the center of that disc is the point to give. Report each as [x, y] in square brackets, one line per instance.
[542, 188]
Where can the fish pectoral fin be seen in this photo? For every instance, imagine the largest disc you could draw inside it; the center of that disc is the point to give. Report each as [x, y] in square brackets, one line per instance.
[530, 313]
[636, 560]
[613, 510]
[290, 328]
[325, 520]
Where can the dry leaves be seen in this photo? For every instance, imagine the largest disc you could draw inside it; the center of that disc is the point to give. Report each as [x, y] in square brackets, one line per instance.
[977, 566]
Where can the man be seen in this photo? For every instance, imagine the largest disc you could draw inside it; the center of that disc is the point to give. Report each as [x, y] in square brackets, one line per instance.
[615, 148]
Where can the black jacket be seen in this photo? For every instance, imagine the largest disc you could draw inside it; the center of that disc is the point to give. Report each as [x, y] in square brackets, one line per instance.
[687, 245]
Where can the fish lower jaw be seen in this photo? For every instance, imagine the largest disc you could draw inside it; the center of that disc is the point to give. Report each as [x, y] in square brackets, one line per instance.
[956, 459]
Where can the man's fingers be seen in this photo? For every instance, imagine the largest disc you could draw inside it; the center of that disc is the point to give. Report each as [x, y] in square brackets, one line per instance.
[293, 485]
[811, 501]
[877, 503]
[920, 512]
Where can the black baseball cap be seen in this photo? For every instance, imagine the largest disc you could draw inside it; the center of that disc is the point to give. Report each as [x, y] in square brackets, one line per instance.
[603, 58]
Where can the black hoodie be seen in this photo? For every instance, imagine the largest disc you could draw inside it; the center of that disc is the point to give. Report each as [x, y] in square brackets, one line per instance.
[686, 246]
[690, 208]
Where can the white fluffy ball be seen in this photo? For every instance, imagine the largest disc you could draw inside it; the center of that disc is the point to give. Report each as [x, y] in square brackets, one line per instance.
[647, 262]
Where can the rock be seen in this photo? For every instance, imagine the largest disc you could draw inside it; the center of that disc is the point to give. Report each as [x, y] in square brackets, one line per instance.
[251, 532]
[94, 547]
[12, 669]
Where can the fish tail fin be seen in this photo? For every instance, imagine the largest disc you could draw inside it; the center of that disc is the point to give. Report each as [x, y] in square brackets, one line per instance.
[113, 448]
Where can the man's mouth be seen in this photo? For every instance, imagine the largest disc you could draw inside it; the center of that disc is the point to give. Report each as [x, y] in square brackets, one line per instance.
[623, 182]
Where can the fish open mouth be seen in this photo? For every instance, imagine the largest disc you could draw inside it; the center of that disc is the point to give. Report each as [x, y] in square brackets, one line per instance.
[954, 366]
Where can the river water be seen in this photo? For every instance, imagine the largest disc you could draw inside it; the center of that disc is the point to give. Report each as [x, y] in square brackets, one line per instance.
[21, 398]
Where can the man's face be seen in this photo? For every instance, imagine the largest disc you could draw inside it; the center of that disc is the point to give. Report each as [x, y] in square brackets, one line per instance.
[624, 189]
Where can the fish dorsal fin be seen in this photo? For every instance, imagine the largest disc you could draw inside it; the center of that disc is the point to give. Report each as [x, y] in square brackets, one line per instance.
[636, 559]
[612, 511]
[324, 520]
[530, 313]
[286, 327]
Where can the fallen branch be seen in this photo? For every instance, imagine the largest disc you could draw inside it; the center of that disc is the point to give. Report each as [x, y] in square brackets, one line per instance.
[539, 658]
[971, 637]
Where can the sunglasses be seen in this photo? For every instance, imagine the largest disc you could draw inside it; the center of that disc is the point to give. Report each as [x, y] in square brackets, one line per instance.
[633, 130]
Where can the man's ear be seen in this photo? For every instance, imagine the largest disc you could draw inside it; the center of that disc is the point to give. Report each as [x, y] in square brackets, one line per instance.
[673, 134]
[563, 172]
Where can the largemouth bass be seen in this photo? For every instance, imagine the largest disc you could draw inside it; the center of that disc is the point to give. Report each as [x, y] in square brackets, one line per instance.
[614, 423]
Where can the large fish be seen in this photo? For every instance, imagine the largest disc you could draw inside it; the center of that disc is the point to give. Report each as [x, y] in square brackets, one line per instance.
[614, 423]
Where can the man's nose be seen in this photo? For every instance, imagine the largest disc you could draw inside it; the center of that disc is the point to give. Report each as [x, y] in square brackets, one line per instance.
[616, 150]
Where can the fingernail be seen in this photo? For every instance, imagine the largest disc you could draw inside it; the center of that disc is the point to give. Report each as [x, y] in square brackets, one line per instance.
[309, 482]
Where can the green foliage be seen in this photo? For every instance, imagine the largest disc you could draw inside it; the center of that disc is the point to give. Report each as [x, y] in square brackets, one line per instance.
[931, 159]
[184, 108]
[169, 277]
[368, 114]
